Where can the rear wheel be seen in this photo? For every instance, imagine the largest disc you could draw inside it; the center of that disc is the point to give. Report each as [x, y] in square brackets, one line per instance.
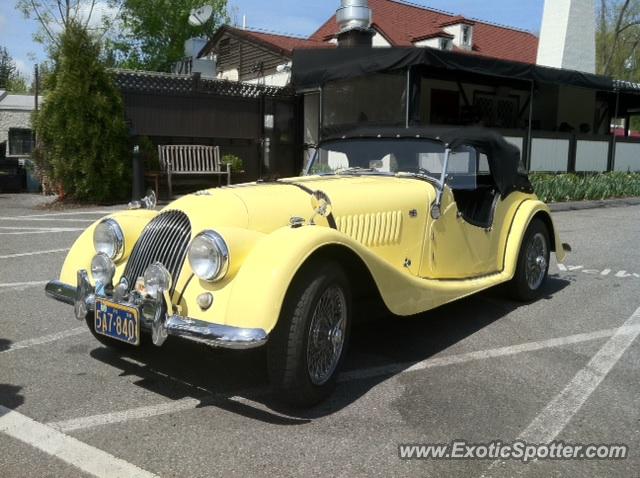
[533, 263]
[307, 348]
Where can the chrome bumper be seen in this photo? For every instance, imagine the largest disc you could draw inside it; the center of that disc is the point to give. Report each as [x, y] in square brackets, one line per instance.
[214, 335]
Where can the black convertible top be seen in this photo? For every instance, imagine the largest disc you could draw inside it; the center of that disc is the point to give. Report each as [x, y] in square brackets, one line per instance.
[503, 157]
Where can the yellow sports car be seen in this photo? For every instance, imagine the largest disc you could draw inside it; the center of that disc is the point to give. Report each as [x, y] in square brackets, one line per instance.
[413, 218]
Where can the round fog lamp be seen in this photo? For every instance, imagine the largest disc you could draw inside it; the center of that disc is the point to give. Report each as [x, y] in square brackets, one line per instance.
[102, 269]
[157, 279]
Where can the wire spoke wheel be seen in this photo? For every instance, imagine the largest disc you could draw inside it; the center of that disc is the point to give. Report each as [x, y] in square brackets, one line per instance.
[536, 261]
[327, 333]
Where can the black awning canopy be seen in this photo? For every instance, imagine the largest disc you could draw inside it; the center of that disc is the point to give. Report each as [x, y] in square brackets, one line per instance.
[314, 68]
[503, 157]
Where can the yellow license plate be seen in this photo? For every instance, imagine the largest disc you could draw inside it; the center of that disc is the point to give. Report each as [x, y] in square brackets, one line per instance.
[117, 321]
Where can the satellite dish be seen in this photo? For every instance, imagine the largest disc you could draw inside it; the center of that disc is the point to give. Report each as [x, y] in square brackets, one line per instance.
[200, 16]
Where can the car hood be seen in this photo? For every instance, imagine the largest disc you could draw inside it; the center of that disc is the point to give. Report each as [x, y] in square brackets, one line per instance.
[265, 207]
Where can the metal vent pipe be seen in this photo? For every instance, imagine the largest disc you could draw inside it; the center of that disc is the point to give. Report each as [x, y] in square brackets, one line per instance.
[354, 19]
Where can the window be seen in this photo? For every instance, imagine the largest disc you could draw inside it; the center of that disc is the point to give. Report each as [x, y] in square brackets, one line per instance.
[359, 101]
[20, 142]
[446, 44]
[466, 35]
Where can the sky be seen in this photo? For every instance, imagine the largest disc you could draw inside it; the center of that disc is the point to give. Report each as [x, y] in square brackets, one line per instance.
[298, 17]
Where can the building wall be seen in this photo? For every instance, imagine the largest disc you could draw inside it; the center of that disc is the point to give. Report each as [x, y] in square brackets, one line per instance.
[274, 79]
[457, 32]
[379, 41]
[470, 90]
[238, 59]
[429, 42]
[576, 106]
[13, 119]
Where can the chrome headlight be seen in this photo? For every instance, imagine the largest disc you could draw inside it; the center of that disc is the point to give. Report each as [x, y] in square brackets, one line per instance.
[209, 256]
[108, 239]
[102, 269]
[157, 279]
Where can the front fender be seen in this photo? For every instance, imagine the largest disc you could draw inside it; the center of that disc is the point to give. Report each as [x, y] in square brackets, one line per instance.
[259, 288]
[82, 251]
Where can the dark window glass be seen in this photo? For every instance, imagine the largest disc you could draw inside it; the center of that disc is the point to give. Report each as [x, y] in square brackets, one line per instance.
[373, 100]
[20, 142]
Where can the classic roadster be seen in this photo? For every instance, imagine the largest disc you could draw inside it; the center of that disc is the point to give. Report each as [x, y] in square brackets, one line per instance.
[413, 218]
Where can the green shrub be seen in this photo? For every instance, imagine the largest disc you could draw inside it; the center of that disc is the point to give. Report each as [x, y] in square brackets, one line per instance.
[581, 187]
[82, 133]
[235, 162]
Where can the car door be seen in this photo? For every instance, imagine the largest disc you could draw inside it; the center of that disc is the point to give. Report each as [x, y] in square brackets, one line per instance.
[456, 246]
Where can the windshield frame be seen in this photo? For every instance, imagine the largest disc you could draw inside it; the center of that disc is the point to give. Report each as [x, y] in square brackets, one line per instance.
[364, 171]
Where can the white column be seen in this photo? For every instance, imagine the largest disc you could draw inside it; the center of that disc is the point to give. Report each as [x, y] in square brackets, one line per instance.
[568, 35]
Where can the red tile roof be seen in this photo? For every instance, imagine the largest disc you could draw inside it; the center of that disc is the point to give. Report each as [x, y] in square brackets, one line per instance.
[282, 42]
[401, 23]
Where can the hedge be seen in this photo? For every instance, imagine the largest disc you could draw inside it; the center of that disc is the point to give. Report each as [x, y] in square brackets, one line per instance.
[580, 187]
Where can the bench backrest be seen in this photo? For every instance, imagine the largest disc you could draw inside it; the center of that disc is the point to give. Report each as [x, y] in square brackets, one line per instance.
[189, 158]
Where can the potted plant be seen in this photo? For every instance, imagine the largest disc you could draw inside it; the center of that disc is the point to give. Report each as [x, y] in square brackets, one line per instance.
[234, 161]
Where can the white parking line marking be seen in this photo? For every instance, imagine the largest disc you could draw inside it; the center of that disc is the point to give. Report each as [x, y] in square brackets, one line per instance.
[44, 219]
[73, 213]
[36, 253]
[557, 414]
[25, 344]
[49, 229]
[24, 233]
[125, 416]
[68, 449]
[393, 369]
[16, 285]
[82, 423]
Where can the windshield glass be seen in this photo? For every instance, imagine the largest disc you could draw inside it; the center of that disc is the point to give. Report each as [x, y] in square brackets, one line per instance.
[393, 157]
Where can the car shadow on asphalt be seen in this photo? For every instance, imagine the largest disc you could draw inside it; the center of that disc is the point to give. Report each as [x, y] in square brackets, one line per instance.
[5, 345]
[237, 380]
[10, 397]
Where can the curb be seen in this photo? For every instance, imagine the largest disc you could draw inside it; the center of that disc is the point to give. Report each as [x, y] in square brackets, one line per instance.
[583, 205]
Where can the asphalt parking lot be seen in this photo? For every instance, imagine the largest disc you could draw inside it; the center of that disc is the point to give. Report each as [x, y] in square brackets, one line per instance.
[564, 368]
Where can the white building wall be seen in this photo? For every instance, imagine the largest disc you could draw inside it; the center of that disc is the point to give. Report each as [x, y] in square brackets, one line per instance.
[379, 41]
[431, 43]
[568, 35]
[275, 79]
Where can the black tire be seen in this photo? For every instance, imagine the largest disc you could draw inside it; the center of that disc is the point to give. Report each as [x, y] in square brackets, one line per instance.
[111, 343]
[526, 285]
[291, 344]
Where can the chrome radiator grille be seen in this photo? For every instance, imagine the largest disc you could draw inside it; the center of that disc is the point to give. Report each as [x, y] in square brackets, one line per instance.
[165, 240]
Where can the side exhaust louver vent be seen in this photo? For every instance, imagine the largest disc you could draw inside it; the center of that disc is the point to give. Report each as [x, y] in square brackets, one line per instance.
[373, 230]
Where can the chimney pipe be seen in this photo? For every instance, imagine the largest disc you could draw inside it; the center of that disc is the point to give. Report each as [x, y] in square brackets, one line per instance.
[354, 19]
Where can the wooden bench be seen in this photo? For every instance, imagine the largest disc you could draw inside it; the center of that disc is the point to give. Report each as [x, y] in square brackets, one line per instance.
[189, 160]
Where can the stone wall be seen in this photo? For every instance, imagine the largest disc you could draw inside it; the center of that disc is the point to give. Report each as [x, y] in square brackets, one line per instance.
[13, 119]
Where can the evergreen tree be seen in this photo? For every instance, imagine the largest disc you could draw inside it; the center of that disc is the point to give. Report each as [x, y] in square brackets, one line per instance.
[81, 129]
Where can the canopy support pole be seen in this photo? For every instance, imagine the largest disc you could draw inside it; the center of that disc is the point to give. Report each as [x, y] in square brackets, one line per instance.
[612, 154]
[530, 129]
[408, 98]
